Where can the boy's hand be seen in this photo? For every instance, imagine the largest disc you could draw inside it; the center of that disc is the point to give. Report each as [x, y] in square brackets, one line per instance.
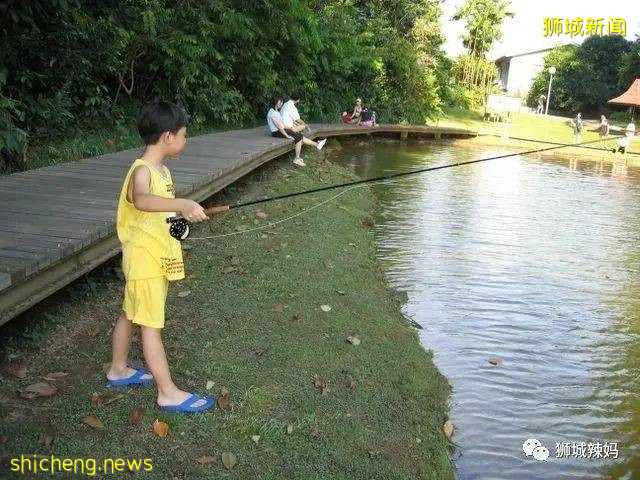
[193, 212]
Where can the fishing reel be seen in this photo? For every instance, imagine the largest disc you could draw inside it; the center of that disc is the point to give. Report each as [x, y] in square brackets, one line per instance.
[180, 228]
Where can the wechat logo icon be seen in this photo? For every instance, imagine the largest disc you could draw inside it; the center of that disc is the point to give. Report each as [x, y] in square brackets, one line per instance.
[533, 447]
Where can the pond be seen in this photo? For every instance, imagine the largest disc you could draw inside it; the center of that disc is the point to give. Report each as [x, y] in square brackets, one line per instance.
[534, 263]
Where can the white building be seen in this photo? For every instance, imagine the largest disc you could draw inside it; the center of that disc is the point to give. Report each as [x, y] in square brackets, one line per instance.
[517, 72]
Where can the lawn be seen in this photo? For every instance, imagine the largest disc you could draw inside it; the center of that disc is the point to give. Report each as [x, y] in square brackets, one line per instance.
[264, 315]
[533, 127]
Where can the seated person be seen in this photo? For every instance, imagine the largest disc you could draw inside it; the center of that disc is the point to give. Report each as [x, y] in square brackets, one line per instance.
[367, 117]
[623, 142]
[291, 116]
[278, 130]
[355, 115]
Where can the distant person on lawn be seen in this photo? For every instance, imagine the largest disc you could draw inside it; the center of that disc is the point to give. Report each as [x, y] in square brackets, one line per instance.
[541, 101]
[576, 124]
[278, 130]
[603, 131]
[151, 258]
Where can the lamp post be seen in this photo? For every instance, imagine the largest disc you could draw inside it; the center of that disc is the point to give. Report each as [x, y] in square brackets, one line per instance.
[551, 71]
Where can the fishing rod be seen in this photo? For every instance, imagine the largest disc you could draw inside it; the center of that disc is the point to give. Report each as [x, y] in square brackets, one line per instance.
[180, 227]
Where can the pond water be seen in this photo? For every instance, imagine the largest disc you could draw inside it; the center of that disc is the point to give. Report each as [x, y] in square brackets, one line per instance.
[534, 262]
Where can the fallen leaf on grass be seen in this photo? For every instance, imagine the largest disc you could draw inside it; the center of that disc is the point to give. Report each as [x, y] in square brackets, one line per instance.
[99, 399]
[260, 351]
[229, 460]
[136, 416]
[278, 308]
[325, 308]
[495, 361]
[232, 259]
[46, 441]
[53, 376]
[210, 384]
[341, 292]
[351, 383]
[322, 385]
[226, 270]
[186, 293]
[328, 263]
[255, 438]
[262, 215]
[242, 271]
[18, 371]
[289, 429]
[367, 223]
[160, 428]
[206, 459]
[447, 428]
[273, 248]
[40, 389]
[353, 340]
[93, 422]
[223, 399]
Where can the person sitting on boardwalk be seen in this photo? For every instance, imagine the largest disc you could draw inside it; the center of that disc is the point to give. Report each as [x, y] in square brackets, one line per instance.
[277, 129]
[355, 115]
[367, 117]
[151, 258]
[291, 116]
[624, 142]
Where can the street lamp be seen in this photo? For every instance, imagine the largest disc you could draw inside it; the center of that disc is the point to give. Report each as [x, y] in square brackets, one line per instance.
[551, 71]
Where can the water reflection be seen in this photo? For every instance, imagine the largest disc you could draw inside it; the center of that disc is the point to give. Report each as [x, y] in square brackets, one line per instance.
[531, 261]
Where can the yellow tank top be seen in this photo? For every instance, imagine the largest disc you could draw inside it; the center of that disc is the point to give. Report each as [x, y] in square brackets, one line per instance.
[147, 248]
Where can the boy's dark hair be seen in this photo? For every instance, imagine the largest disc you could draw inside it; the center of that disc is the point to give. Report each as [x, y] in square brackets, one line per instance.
[157, 118]
[295, 96]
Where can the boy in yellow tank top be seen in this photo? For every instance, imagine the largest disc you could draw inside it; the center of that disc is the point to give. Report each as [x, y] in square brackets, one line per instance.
[151, 257]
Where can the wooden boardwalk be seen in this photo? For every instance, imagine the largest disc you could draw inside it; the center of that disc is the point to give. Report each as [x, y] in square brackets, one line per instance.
[58, 222]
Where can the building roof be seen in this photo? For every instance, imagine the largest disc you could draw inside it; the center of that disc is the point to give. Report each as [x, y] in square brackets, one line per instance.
[630, 97]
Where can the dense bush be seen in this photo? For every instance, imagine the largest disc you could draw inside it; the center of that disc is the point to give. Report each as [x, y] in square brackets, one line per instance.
[70, 64]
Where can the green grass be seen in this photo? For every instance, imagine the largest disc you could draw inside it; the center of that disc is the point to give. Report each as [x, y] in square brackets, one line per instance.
[225, 331]
[527, 125]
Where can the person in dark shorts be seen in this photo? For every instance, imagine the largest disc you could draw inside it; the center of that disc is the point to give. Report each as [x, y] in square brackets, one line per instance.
[278, 130]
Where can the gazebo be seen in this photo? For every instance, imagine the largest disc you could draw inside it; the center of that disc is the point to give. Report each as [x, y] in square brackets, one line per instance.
[630, 97]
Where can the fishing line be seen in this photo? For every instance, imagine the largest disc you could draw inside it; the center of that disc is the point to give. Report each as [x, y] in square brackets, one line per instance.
[180, 228]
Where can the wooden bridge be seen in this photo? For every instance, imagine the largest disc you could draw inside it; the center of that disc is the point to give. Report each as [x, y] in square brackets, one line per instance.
[57, 223]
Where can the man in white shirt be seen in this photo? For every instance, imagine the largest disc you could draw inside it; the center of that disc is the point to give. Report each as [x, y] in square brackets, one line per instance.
[278, 129]
[290, 114]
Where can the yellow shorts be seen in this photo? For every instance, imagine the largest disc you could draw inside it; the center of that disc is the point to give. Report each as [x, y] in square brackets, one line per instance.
[144, 301]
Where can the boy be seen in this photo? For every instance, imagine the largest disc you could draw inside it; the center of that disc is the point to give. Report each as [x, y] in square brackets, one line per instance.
[151, 257]
[623, 142]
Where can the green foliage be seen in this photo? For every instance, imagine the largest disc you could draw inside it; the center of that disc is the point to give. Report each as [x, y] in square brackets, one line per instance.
[630, 66]
[587, 75]
[94, 63]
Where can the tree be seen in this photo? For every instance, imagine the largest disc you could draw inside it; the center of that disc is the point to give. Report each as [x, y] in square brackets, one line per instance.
[484, 20]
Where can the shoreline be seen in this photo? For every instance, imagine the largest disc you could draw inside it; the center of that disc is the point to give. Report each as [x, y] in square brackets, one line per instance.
[249, 317]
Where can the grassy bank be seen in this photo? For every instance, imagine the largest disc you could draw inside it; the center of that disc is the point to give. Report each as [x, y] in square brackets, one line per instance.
[530, 126]
[249, 318]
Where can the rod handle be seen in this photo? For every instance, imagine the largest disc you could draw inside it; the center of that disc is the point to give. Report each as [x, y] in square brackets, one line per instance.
[216, 210]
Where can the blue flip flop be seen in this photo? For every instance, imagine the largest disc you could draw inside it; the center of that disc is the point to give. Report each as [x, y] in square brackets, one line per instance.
[133, 380]
[185, 407]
